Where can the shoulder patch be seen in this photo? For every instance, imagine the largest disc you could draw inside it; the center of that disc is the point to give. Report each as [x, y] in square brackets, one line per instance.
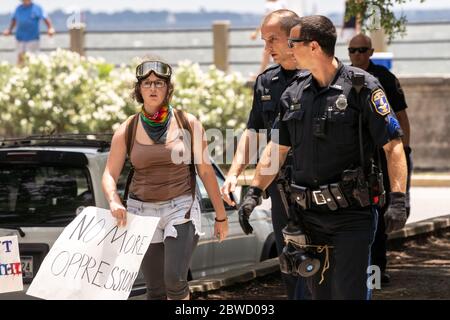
[380, 102]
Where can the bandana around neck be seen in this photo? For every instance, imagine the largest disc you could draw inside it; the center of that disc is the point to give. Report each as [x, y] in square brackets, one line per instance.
[156, 125]
[159, 118]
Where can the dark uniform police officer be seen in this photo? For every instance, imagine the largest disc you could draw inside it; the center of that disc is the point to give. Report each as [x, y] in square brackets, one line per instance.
[268, 88]
[323, 116]
[360, 50]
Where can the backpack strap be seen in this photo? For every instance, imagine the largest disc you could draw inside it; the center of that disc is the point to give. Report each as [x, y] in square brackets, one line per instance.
[183, 122]
[130, 134]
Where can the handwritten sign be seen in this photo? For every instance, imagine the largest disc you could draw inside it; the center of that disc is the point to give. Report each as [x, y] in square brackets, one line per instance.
[10, 265]
[93, 258]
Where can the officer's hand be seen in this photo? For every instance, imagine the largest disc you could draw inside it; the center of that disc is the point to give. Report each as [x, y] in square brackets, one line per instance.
[395, 216]
[251, 200]
[228, 187]
[7, 32]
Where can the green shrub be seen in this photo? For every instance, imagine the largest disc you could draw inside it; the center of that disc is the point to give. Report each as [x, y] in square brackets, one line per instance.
[64, 92]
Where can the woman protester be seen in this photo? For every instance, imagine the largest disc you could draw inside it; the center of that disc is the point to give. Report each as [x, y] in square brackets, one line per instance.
[161, 186]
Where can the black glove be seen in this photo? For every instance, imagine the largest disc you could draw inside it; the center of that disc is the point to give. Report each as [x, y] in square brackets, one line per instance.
[395, 216]
[251, 200]
[410, 166]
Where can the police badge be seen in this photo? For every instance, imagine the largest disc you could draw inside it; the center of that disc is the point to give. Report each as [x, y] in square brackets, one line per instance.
[341, 102]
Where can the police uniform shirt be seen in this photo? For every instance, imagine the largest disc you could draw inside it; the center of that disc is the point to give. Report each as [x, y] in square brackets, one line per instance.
[391, 86]
[268, 88]
[321, 160]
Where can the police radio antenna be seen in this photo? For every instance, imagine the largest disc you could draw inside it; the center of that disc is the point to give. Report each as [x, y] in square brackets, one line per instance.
[358, 84]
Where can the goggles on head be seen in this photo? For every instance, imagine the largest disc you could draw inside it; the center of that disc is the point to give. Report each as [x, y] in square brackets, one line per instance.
[161, 69]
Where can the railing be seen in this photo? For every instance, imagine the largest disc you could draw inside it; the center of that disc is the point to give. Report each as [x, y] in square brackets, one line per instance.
[221, 44]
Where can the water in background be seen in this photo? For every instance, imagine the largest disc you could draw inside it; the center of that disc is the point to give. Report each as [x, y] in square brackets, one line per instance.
[424, 50]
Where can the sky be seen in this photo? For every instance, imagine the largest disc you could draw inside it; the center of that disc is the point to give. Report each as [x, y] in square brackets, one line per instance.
[251, 6]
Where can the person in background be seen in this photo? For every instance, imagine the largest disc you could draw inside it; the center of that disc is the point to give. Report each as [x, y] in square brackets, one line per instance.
[161, 186]
[27, 17]
[270, 6]
[360, 50]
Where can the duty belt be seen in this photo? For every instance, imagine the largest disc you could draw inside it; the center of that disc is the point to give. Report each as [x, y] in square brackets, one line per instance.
[332, 195]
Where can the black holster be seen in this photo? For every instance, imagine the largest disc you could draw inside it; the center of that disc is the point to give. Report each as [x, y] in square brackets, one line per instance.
[300, 195]
[355, 181]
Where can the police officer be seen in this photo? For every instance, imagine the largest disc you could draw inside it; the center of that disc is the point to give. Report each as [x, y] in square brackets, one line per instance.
[360, 50]
[268, 87]
[323, 116]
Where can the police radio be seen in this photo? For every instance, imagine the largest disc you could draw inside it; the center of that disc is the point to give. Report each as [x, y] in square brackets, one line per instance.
[358, 81]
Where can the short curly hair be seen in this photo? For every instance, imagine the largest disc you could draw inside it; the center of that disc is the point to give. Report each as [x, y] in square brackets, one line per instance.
[136, 92]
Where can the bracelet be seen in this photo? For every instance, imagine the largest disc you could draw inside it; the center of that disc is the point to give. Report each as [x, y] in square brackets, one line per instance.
[221, 220]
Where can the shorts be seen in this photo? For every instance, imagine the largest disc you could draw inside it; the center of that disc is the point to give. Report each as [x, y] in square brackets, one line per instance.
[27, 46]
[171, 212]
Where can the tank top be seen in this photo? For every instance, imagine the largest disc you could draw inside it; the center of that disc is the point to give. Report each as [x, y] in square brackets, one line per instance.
[157, 177]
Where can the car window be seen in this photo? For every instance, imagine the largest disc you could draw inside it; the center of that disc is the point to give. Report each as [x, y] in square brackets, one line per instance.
[36, 195]
[205, 201]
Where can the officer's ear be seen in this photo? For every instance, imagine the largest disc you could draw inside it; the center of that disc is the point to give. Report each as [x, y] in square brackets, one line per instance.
[315, 46]
[371, 52]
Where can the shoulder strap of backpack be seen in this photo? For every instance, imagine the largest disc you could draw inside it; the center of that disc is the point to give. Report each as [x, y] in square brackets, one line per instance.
[183, 122]
[130, 134]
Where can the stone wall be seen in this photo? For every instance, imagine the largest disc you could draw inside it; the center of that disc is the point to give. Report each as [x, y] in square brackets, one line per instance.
[428, 100]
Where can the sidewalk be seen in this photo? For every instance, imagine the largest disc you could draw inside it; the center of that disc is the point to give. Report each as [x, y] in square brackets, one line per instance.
[430, 179]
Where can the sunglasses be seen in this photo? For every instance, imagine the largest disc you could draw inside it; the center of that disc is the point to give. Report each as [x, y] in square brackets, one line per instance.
[291, 41]
[161, 69]
[159, 84]
[360, 50]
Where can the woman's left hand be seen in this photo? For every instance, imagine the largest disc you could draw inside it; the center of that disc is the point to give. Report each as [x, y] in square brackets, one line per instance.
[221, 230]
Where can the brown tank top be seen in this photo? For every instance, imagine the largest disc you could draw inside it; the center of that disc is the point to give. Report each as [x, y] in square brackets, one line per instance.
[156, 176]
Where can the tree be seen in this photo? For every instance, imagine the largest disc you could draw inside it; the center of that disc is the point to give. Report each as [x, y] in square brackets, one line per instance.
[376, 14]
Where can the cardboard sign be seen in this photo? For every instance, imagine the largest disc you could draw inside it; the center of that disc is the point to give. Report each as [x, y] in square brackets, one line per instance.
[93, 258]
[10, 265]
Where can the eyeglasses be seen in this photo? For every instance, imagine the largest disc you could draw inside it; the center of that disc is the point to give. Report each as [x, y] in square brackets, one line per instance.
[161, 69]
[291, 41]
[147, 84]
[360, 49]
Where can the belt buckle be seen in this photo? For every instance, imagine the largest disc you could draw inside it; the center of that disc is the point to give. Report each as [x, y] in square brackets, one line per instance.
[322, 200]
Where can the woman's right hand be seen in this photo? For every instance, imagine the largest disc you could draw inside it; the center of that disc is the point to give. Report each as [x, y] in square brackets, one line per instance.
[119, 212]
[229, 186]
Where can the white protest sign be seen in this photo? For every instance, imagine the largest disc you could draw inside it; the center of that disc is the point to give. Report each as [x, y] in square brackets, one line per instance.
[93, 258]
[10, 266]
